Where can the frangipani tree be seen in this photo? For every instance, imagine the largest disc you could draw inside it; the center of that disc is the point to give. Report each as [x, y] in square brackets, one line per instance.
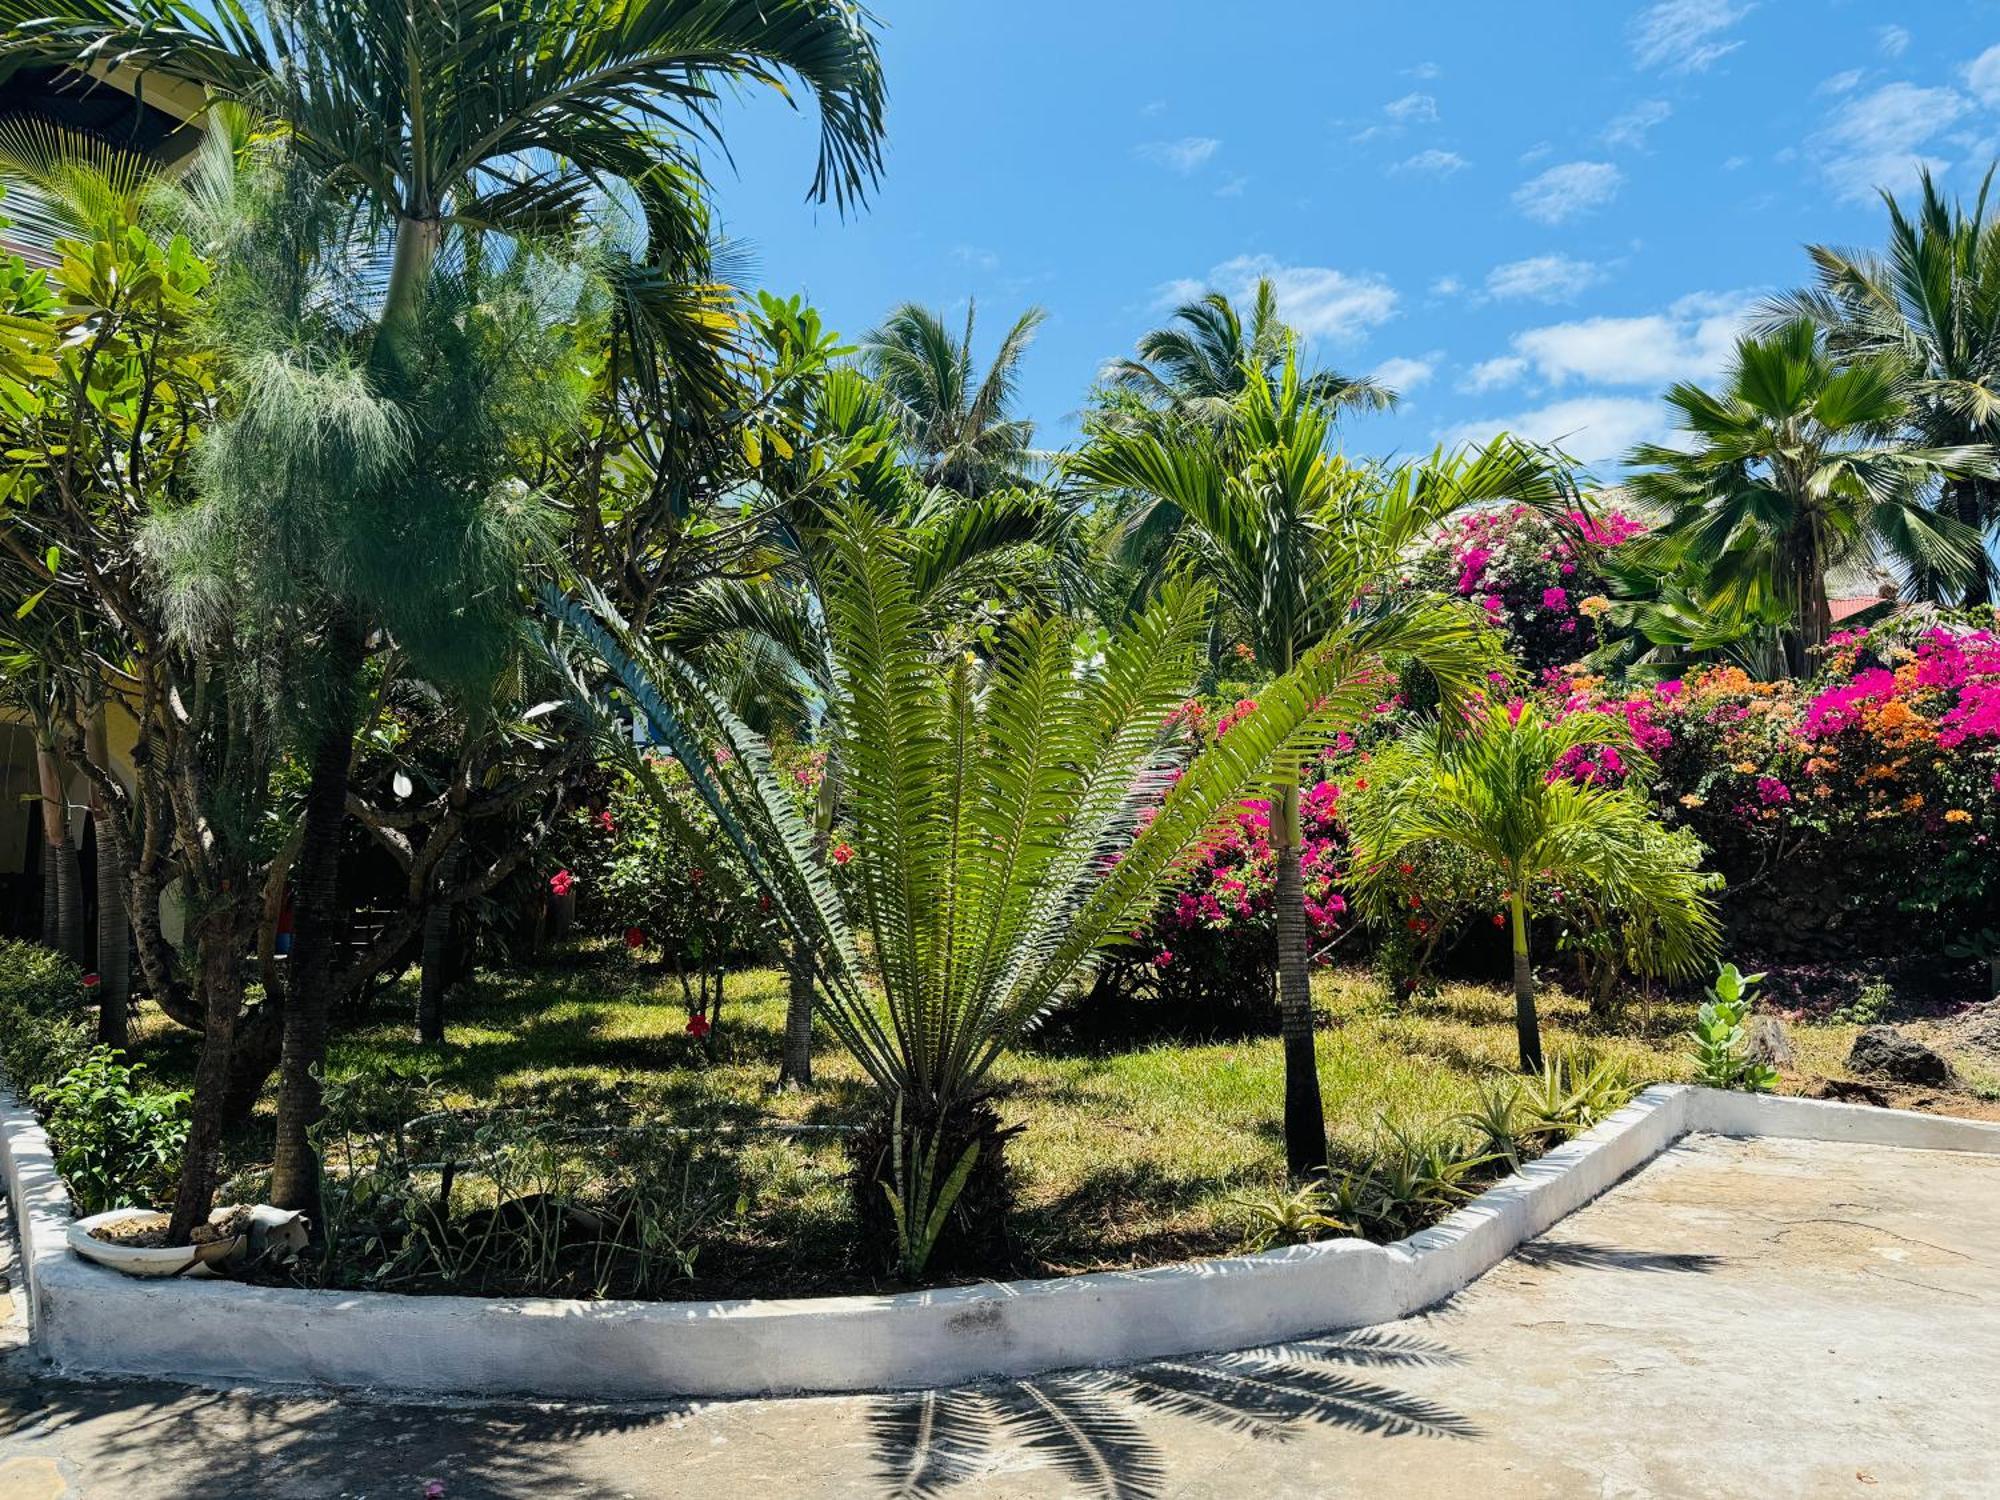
[1012, 814]
[1536, 799]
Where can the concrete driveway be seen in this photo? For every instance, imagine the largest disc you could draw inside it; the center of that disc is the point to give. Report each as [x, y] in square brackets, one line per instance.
[1761, 1318]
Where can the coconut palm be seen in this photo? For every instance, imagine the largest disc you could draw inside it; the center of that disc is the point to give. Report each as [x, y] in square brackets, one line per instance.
[1205, 356]
[1931, 302]
[960, 425]
[1299, 545]
[1789, 471]
[1011, 814]
[1499, 785]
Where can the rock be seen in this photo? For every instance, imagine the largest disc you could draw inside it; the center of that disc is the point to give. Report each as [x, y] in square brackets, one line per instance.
[1764, 1041]
[1849, 1091]
[1886, 1053]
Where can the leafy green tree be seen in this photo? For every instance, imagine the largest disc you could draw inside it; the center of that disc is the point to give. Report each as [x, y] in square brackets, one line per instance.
[1301, 548]
[1499, 785]
[1202, 361]
[1931, 304]
[1789, 471]
[959, 424]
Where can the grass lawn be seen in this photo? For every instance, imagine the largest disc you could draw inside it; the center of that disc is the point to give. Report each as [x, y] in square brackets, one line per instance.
[1130, 1157]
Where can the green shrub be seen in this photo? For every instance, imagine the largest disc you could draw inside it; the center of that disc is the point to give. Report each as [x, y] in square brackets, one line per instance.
[45, 1020]
[118, 1143]
[1719, 1059]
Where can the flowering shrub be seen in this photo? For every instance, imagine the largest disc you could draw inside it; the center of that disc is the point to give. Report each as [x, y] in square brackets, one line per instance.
[1534, 578]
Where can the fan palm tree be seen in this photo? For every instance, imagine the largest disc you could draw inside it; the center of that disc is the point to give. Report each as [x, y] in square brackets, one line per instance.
[1011, 815]
[1930, 302]
[960, 425]
[1496, 787]
[1790, 471]
[1204, 358]
[1299, 546]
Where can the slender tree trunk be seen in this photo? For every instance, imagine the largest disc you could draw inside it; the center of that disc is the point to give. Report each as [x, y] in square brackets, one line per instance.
[51, 900]
[796, 1069]
[1305, 1116]
[1527, 1025]
[222, 993]
[60, 851]
[317, 928]
[439, 967]
[114, 933]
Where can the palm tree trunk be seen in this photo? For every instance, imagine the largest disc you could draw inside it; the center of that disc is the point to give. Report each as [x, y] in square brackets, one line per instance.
[318, 927]
[796, 1070]
[1527, 1025]
[60, 851]
[114, 933]
[438, 965]
[1305, 1115]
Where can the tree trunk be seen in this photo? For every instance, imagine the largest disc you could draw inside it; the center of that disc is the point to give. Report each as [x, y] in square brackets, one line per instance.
[114, 933]
[1527, 1025]
[222, 992]
[60, 851]
[317, 928]
[1305, 1116]
[439, 966]
[796, 1069]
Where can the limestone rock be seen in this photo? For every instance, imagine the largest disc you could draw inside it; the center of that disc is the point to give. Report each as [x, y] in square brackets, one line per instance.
[1764, 1041]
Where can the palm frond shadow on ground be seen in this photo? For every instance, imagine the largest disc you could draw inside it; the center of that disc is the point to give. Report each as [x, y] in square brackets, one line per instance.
[1094, 1427]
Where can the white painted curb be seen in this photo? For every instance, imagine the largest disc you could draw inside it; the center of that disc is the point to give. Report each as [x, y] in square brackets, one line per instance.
[89, 1320]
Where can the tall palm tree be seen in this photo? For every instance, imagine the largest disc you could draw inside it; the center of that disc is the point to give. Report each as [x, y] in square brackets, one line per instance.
[1931, 302]
[1011, 815]
[1494, 787]
[1790, 470]
[1298, 545]
[1204, 358]
[959, 424]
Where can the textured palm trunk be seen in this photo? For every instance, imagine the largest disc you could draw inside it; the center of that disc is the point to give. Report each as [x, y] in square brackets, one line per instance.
[114, 933]
[1527, 1025]
[60, 852]
[317, 930]
[796, 1069]
[218, 940]
[439, 959]
[1305, 1115]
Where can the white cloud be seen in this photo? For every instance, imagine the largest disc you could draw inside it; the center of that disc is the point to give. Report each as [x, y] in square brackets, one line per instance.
[1736, 164]
[1563, 192]
[1447, 286]
[1841, 83]
[1233, 188]
[1630, 128]
[1685, 36]
[1692, 340]
[1544, 278]
[1186, 155]
[1892, 41]
[1492, 374]
[1878, 140]
[1423, 70]
[1156, 107]
[1319, 301]
[1404, 375]
[1982, 76]
[976, 258]
[1412, 109]
[1591, 429]
[1433, 163]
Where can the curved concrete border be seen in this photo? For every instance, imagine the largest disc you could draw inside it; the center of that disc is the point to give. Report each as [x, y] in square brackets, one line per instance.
[92, 1321]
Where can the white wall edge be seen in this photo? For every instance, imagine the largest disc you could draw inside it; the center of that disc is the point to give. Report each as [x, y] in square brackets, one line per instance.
[92, 1321]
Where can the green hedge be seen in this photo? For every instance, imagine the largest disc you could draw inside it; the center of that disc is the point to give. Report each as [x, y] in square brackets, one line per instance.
[46, 1021]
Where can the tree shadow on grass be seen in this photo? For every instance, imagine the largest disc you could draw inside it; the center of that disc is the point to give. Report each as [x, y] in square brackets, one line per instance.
[1094, 1429]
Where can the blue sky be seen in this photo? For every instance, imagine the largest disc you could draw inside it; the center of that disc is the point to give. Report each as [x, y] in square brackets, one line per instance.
[1526, 216]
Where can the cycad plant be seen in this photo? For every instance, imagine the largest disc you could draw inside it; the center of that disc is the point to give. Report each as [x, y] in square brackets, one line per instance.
[1301, 547]
[1012, 813]
[1499, 784]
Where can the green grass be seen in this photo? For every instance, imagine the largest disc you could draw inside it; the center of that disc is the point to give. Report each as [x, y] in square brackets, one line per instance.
[1129, 1157]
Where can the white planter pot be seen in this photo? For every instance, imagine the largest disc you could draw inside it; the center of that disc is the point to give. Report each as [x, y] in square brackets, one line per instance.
[268, 1227]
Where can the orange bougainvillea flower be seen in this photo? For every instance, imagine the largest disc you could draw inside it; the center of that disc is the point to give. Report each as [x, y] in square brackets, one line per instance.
[1957, 815]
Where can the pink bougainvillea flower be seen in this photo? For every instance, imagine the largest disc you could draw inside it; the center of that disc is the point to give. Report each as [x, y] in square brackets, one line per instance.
[605, 821]
[1163, 958]
[634, 938]
[1499, 919]
[433, 1489]
[1556, 599]
[842, 852]
[91, 981]
[698, 1025]
[562, 882]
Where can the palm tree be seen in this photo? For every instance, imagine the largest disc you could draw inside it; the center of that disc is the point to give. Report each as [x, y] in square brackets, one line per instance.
[1298, 545]
[1789, 472]
[960, 426]
[1199, 368]
[1012, 813]
[1931, 302]
[1496, 787]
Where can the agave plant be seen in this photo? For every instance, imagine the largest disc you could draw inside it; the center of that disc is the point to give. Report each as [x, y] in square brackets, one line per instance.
[1012, 814]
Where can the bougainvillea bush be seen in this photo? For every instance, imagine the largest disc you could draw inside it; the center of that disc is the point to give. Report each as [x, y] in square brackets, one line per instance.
[1856, 813]
[1536, 577]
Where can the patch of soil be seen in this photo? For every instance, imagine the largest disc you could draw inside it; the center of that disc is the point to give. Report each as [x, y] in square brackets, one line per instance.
[150, 1231]
[1929, 1101]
